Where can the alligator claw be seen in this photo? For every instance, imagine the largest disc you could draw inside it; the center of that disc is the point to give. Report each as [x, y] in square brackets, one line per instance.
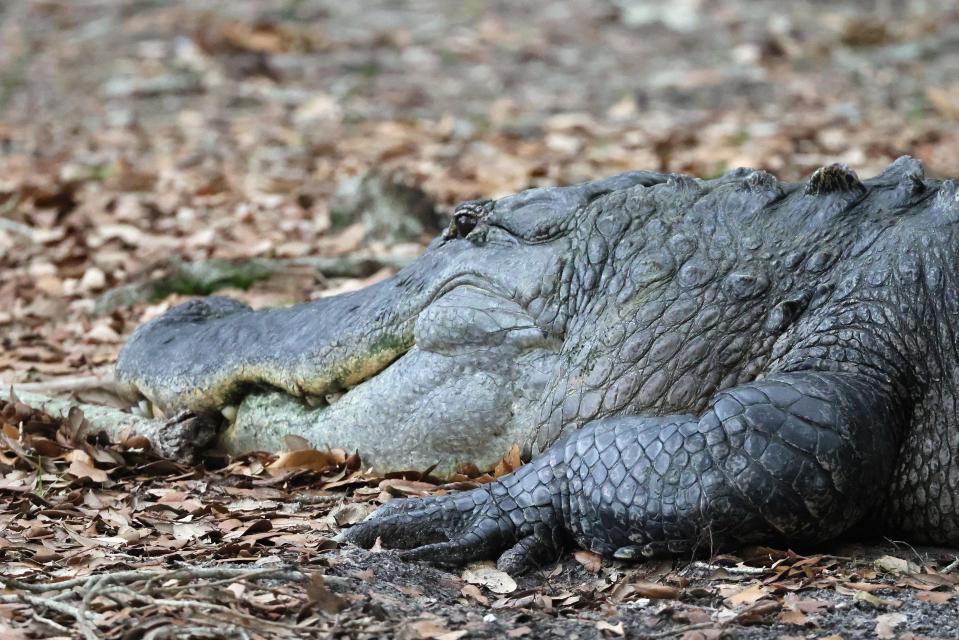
[458, 528]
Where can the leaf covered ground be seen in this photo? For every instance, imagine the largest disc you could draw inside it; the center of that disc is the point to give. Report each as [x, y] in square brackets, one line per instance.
[140, 138]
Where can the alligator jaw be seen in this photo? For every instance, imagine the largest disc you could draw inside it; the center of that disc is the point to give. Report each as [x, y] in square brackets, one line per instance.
[207, 354]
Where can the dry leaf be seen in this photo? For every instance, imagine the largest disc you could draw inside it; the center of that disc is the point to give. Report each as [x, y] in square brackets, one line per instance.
[310, 459]
[892, 564]
[886, 625]
[472, 592]
[191, 530]
[655, 591]
[322, 598]
[350, 513]
[487, 575]
[615, 629]
[792, 616]
[82, 469]
[935, 597]
[748, 595]
[432, 630]
[510, 462]
[400, 488]
[592, 562]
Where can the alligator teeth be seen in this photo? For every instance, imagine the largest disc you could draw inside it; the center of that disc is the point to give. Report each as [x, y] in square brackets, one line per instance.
[333, 397]
[144, 408]
[229, 412]
[314, 401]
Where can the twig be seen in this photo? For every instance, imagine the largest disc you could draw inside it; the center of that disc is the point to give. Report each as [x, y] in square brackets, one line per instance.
[50, 623]
[251, 574]
[681, 630]
[222, 630]
[744, 570]
[919, 559]
[318, 499]
[127, 577]
[218, 608]
[952, 566]
[83, 625]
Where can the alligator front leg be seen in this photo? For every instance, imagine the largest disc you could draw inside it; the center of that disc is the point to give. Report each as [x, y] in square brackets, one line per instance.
[797, 456]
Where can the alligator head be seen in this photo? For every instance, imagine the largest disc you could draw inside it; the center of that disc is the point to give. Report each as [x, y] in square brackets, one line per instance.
[443, 362]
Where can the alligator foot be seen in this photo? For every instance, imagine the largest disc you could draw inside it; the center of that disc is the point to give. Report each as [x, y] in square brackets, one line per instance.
[515, 519]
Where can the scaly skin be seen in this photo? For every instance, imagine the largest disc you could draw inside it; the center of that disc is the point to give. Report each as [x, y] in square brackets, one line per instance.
[697, 364]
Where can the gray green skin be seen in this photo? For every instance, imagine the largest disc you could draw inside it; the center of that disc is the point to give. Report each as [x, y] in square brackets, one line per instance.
[690, 365]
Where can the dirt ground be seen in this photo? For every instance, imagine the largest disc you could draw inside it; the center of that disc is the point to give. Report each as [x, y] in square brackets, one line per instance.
[137, 136]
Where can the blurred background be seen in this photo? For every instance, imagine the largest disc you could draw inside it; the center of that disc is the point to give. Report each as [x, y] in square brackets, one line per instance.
[326, 140]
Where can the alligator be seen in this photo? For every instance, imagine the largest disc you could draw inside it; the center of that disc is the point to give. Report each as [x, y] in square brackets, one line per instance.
[688, 364]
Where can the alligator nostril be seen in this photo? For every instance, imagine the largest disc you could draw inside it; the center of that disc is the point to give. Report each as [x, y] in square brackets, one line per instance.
[464, 222]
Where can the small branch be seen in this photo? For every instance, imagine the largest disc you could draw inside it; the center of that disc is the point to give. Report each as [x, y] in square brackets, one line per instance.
[83, 624]
[678, 631]
[128, 577]
[217, 608]
[78, 594]
[744, 570]
[952, 566]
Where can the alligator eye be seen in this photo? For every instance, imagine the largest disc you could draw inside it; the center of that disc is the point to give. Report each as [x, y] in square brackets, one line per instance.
[464, 223]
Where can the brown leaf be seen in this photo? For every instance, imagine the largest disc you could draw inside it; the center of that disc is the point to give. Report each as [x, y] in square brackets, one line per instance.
[792, 616]
[310, 459]
[433, 630]
[473, 592]
[655, 591]
[592, 562]
[886, 625]
[758, 612]
[322, 598]
[82, 470]
[748, 595]
[403, 488]
[935, 597]
[350, 513]
[868, 587]
[191, 530]
[510, 462]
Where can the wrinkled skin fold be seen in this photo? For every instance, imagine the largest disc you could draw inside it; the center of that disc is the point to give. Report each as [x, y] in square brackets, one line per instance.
[689, 364]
